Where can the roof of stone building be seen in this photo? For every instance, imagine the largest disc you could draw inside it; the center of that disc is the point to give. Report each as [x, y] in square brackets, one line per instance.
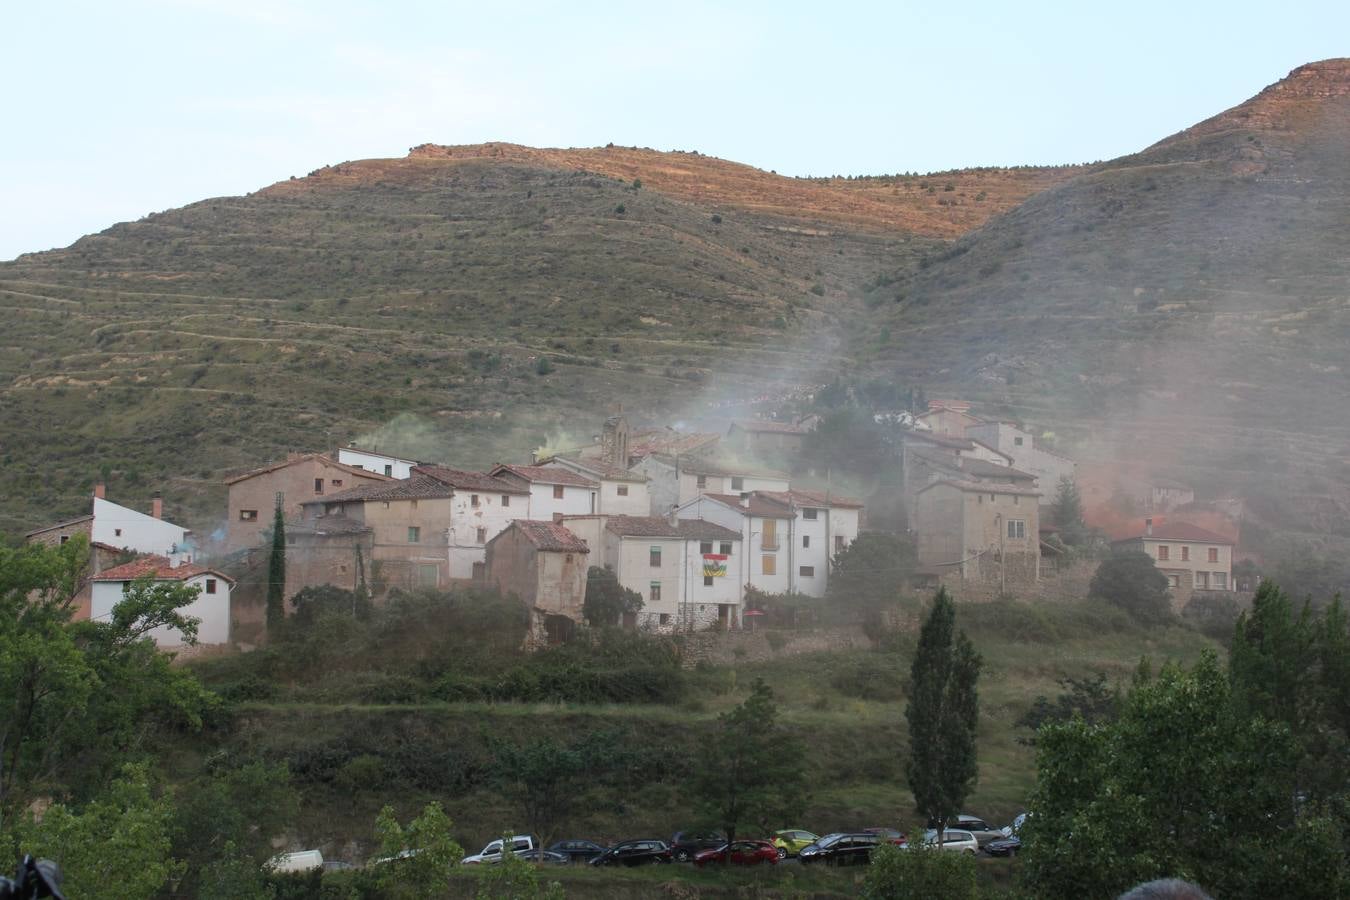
[551, 536]
[546, 475]
[157, 567]
[306, 457]
[469, 481]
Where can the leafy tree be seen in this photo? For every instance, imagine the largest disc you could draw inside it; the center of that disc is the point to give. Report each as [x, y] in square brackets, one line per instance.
[514, 879]
[750, 770]
[233, 875]
[1182, 784]
[606, 600]
[276, 575]
[316, 601]
[116, 847]
[420, 855]
[75, 696]
[943, 714]
[1132, 582]
[1066, 511]
[920, 871]
[1091, 698]
[872, 571]
[547, 778]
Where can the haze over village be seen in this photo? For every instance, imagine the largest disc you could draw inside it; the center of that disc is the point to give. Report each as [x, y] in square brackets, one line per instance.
[722, 455]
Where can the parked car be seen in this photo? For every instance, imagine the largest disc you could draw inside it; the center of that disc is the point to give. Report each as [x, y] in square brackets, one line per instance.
[739, 853]
[687, 843]
[953, 839]
[1016, 826]
[1006, 846]
[492, 853]
[297, 861]
[790, 842]
[545, 857]
[841, 849]
[887, 835]
[577, 850]
[983, 831]
[635, 853]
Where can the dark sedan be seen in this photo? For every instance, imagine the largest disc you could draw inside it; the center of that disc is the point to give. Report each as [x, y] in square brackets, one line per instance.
[841, 850]
[634, 853]
[578, 851]
[1007, 846]
[685, 845]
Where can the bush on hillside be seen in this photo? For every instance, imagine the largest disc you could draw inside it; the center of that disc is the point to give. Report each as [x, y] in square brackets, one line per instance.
[1213, 615]
[1131, 581]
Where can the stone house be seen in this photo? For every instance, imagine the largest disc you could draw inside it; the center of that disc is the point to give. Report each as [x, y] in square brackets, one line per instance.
[924, 467]
[480, 507]
[302, 477]
[545, 565]
[764, 439]
[1192, 558]
[675, 480]
[979, 532]
[211, 608]
[951, 418]
[1027, 454]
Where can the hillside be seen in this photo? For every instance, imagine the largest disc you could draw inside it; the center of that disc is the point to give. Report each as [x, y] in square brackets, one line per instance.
[164, 352]
[1185, 306]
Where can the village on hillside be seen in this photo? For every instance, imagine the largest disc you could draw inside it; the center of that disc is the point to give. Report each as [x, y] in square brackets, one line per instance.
[679, 517]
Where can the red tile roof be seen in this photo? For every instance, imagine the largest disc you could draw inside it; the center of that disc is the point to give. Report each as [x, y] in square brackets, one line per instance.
[765, 426]
[546, 475]
[1180, 531]
[703, 530]
[157, 567]
[550, 536]
[306, 457]
[941, 440]
[642, 526]
[469, 481]
[698, 466]
[415, 487]
[596, 468]
[755, 505]
[810, 498]
[666, 441]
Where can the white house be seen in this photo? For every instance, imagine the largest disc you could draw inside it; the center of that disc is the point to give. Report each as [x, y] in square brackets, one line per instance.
[710, 593]
[481, 507]
[1045, 465]
[211, 608]
[554, 490]
[622, 493]
[675, 480]
[118, 526]
[379, 463]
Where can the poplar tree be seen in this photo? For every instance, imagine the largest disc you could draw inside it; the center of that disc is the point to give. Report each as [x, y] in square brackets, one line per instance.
[276, 575]
[943, 713]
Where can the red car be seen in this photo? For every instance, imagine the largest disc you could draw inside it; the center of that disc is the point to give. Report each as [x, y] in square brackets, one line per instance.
[742, 853]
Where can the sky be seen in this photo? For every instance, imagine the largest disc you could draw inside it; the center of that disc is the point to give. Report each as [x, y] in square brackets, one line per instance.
[117, 110]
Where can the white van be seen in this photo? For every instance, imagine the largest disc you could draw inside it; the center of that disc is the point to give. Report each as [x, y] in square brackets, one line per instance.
[299, 861]
[492, 853]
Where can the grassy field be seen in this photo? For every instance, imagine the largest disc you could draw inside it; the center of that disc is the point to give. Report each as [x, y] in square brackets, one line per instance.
[846, 708]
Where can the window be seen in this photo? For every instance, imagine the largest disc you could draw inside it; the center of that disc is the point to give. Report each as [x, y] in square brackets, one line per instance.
[838, 543]
[479, 571]
[992, 498]
[414, 534]
[725, 548]
[769, 565]
[1016, 500]
[428, 576]
[769, 536]
[389, 470]
[210, 585]
[808, 514]
[248, 515]
[336, 482]
[1201, 581]
[557, 492]
[654, 557]
[1164, 551]
[1185, 553]
[126, 586]
[1017, 442]
[1017, 529]
[665, 618]
[1220, 581]
[737, 483]
[807, 571]
[318, 485]
[1213, 554]
[117, 531]
[708, 581]
[654, 592]
[506, 499]
[481, 535]
[1174, 580]
[705, 547]
[702, 481]
[806, 541]
[473, 500]
[622, 490]
[290, 539]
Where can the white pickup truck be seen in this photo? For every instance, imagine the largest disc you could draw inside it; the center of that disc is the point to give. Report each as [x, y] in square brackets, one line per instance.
[492, 853]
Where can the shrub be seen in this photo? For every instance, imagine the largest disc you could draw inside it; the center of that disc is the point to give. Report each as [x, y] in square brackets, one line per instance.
[1131, 581]
[871, 677]
[1213, 615]
[920, 872]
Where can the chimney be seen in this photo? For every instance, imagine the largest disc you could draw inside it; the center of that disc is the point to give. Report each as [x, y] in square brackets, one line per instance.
[101, 491]
[1148, 528]
[745, 500]
[557, 517]
[157, 506]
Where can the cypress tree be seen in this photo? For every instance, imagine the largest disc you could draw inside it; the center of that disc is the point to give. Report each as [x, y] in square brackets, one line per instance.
[276, 575]
[943, 713]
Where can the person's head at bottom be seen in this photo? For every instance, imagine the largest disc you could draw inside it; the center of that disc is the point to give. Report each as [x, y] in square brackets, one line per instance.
[1165, 889]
